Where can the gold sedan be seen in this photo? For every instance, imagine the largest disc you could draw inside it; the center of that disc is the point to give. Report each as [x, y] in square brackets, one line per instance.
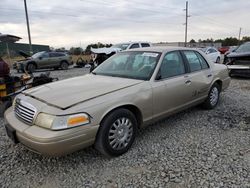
[106, 107]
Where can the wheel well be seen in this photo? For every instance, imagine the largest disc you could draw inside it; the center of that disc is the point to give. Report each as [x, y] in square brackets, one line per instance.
[131, 108]
[219, 82]
[64, 61]
[34, 63]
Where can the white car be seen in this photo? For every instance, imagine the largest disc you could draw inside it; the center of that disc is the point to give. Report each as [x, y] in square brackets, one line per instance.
[212, 53]
[120, 47]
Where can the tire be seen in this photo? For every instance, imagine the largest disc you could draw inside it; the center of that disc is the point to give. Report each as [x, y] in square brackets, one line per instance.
[64, 65]
[116, 133]
[4, 106]
[212, 98]
[217, 60]
[31, 67]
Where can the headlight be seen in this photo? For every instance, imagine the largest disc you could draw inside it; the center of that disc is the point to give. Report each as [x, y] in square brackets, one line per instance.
[61, 122]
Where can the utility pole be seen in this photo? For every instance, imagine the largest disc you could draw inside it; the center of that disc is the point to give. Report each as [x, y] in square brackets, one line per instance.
[239, 34]
[186, 23]
[28, 26]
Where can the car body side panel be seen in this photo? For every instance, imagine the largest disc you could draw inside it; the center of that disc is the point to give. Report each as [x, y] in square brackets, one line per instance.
[200, 83]
[170, 94]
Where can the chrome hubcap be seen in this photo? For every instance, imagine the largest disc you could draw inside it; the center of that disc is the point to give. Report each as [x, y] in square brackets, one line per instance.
[214, 95]
[120, 133]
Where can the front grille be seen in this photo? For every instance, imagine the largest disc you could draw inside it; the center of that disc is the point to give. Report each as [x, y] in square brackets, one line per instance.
[24, 111]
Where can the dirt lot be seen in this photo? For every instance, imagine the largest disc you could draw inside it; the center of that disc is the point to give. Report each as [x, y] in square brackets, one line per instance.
[195, 148]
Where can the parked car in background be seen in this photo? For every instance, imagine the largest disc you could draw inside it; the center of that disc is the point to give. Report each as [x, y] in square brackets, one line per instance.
[120, 47]
[223, 49]
[238, 61]
[231, 49]
[212, 53]
[101, 54]
[43, 60]
[105, 108]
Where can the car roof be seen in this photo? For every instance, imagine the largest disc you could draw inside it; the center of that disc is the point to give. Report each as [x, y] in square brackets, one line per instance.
[160, 49]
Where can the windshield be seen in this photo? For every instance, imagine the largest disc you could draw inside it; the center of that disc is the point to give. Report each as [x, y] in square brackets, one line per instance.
[243, 48]
[36, 55]
[122, 46]
[134, 65]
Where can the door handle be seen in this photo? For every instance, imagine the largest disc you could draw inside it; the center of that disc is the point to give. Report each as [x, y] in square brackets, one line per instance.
[209, 75]
[187, 82]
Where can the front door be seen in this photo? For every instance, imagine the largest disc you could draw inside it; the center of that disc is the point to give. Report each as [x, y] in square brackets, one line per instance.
[172, 90]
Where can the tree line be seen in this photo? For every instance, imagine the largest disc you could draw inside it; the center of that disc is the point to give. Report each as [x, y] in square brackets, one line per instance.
[229, 41]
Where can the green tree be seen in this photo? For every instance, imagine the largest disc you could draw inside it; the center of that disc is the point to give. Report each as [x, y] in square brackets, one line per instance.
[245, 39]
[192, 41]
[231, 41]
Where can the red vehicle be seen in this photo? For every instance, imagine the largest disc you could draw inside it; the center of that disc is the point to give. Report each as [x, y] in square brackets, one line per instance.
[223, 49]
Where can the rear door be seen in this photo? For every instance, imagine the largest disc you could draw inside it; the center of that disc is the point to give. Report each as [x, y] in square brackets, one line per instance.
[200, 74]
[54, 59]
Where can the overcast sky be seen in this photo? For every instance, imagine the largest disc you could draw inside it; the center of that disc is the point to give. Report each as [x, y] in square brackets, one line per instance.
[66, 23]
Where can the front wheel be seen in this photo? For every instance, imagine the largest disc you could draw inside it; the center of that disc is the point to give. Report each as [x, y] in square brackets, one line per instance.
[116, 133]
[31, 68]
[213, 97]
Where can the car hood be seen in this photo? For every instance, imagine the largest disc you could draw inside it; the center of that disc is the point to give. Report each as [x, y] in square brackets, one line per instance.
[235, 54]
[105, 50]
[25, 55]
[67, 93]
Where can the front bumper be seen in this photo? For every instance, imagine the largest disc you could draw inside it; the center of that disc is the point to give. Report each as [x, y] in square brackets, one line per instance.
[239, 70]
[48, 142]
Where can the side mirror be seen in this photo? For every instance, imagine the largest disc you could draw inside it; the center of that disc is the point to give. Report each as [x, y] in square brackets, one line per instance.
[40, 58]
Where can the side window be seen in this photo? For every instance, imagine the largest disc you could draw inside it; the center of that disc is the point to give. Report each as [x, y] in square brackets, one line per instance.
[211, 50]
[172, 65]
[203, 62]
[45, 55]
[136, 45]
[193, 61]
[61, 55]
[52, 54]
[145, 45]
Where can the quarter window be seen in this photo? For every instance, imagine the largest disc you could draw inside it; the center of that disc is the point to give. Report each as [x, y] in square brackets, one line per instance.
[172, 65]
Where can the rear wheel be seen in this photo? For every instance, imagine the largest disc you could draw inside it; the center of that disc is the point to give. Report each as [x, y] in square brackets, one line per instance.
[213, 97]
[117, 133]
[64, 65]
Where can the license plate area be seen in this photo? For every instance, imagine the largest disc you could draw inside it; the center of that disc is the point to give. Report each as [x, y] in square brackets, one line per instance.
[11, 133]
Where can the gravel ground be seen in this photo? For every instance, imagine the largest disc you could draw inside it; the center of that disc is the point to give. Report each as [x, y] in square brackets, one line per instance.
[195, 148]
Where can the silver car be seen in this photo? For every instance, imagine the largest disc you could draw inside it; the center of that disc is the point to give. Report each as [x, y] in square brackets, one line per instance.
[106, 107]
